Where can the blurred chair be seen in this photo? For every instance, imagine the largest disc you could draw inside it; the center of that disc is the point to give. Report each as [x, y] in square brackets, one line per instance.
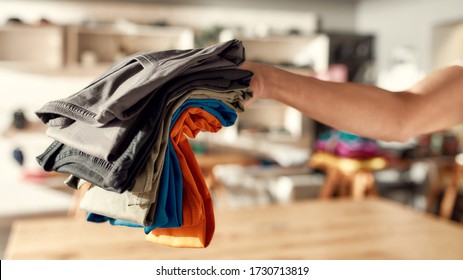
[450, 194]
[349, 177]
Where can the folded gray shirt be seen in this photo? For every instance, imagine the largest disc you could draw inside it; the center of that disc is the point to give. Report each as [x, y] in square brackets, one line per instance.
[124, 90]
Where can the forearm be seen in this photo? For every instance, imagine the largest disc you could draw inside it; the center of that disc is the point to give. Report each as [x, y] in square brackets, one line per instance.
[361, 109]
[432, 104]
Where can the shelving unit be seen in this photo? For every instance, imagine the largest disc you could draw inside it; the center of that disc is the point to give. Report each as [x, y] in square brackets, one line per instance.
[447, 44]
[108, 43]
[310, 50]
[61, 46]
[43, 45]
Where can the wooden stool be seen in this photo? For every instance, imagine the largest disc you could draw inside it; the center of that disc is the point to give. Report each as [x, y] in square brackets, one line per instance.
[347, 176]
[451, 191]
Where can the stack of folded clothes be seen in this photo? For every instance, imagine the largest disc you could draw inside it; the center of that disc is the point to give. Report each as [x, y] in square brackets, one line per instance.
[126, 136]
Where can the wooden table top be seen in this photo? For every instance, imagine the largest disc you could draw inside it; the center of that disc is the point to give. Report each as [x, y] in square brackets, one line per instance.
[208, 161]
[333, 229]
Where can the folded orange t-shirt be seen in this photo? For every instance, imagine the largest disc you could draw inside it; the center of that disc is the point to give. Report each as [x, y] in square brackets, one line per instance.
[198, 213]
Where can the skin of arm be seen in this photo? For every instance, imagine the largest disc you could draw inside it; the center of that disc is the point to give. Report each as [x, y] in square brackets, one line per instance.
[433, 104]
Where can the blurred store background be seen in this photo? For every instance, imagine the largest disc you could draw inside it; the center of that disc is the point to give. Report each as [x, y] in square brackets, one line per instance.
[51, 49]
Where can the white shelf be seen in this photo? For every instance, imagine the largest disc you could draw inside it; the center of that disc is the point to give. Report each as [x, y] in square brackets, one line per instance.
[109, 43]
[59, 46]
[296, 50]
[35, 44]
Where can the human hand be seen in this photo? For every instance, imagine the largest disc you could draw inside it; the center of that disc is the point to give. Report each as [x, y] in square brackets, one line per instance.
[256, 83]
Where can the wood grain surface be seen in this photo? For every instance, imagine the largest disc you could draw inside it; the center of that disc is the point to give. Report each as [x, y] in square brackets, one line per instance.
[332, 229]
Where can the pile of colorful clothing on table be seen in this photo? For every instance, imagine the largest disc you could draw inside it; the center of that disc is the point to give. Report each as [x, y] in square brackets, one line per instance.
[344, 144]
[125, 136]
